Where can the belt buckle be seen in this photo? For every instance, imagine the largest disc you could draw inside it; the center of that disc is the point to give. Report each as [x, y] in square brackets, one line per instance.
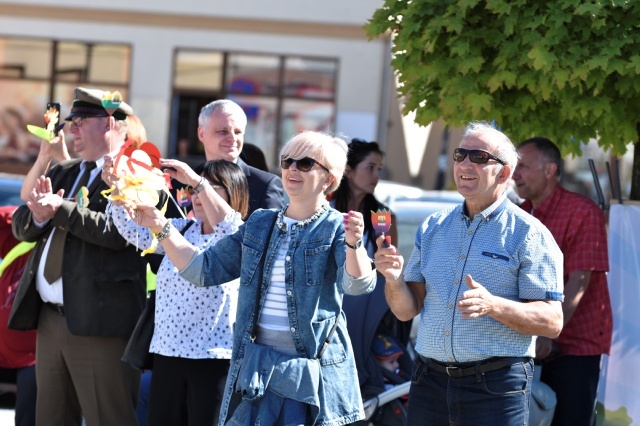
[452, 367]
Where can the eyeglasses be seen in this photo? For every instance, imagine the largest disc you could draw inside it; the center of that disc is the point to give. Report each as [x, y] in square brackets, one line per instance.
[190, 188]
[476, 156]
[304, 164]
[77, 121]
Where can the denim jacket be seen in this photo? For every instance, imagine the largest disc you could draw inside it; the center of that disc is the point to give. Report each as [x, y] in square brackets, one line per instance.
[314, 288]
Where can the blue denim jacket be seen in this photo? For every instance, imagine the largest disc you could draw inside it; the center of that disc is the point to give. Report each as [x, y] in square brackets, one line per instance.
[314, 289]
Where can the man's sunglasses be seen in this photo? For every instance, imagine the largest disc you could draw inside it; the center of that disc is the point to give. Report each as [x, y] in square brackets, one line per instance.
[304, 164]
[477, 156]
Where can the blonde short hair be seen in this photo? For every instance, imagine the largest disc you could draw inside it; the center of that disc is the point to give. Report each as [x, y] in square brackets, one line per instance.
[330, 150]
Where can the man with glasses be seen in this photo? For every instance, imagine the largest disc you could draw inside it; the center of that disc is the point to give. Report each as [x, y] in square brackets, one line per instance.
[485, 278]
[571, 365]
[83, 287]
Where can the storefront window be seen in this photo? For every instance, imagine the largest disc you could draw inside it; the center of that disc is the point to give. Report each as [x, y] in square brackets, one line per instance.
[198, 70]
[253, 74]
[25, 58]
[281, 95]
[310, 78]
[28, 82]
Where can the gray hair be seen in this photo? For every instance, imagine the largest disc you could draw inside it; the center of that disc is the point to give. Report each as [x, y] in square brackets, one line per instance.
[505, 149]
[223, 105]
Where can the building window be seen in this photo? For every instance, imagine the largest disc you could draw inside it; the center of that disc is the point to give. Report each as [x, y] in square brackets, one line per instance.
[281, 95]
[34, 72]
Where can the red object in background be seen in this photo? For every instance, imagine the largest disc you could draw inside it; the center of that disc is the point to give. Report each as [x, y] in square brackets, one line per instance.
[17, 348]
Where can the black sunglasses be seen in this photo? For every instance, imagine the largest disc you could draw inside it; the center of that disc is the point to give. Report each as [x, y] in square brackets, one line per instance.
[304, 164]
[477, 156]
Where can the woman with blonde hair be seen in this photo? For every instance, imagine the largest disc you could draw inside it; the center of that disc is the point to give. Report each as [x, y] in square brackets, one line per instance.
[292, 361]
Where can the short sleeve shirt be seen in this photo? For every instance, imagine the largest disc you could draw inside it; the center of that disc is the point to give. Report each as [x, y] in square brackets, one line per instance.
[579, 227]
[507, 251]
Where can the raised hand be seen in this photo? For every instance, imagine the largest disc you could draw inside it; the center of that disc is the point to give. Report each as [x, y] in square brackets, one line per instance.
[180, 171]
[42, 202]
[108, 175]
[388, 260]
[353, 227]
[56, 148]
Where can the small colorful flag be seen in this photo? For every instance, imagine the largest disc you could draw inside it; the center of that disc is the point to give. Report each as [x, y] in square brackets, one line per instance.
[182, 196]
[381, 221]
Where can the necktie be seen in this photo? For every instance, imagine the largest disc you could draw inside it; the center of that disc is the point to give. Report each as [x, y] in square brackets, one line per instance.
[53, 267]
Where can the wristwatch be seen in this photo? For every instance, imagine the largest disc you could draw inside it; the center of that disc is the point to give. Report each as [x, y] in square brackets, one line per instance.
[354, 247]
[166, 230]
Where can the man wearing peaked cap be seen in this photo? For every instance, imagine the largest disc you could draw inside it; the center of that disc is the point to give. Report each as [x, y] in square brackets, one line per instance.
[88, 103]
[83, 287]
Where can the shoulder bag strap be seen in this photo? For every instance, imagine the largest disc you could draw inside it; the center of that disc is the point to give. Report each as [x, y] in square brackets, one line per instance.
[326, 341]
[187, 226]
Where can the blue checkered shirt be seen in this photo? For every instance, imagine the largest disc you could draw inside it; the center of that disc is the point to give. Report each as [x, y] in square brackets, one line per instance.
[503, 248]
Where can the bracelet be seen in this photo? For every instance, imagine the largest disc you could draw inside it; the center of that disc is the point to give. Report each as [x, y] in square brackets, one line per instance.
[201, 185]
[166, 230]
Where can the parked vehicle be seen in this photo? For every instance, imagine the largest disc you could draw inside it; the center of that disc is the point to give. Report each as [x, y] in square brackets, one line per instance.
[412, 205]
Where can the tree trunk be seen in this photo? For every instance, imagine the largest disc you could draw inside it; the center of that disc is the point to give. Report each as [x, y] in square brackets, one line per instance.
[635, 169]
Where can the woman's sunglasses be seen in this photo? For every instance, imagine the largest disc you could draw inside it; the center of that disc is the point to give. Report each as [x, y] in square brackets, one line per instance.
[304, 164]
[477, 156]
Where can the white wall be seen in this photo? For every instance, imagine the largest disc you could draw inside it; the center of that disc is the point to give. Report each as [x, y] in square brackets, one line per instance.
[351, 12]
[361, 62]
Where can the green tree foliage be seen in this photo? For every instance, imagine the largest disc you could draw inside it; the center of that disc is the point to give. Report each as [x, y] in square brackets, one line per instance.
[565, 69]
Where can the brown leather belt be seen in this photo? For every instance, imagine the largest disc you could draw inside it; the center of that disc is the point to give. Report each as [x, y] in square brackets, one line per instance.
[56, 307]
[464, 369]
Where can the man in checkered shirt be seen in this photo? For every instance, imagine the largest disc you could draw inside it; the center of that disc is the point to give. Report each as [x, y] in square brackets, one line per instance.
[485, 278]
[571, 362]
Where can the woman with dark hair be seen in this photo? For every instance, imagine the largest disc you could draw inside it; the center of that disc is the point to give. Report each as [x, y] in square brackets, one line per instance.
[192, 337]
[364, 164]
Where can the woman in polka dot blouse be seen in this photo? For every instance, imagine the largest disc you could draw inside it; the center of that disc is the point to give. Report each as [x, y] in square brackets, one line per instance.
[192, 338]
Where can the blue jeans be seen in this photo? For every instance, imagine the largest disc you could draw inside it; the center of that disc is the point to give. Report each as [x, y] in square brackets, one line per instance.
[499, 397]
[143, 400]
[575, 381]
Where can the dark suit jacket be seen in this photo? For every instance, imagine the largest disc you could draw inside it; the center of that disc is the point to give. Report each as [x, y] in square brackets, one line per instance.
[104, 285]
[265, 189]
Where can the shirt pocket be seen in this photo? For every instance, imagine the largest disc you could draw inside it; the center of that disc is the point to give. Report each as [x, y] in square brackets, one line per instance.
[250, 261]
[315, 263]
[497, 271]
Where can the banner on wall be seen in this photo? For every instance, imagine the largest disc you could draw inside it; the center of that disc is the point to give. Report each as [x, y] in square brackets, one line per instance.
[619, 391]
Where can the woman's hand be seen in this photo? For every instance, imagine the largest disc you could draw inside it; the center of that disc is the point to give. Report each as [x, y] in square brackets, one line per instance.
[149, 217]
[56, 148]
[180, 171]
[108, 175]
[353, 227]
